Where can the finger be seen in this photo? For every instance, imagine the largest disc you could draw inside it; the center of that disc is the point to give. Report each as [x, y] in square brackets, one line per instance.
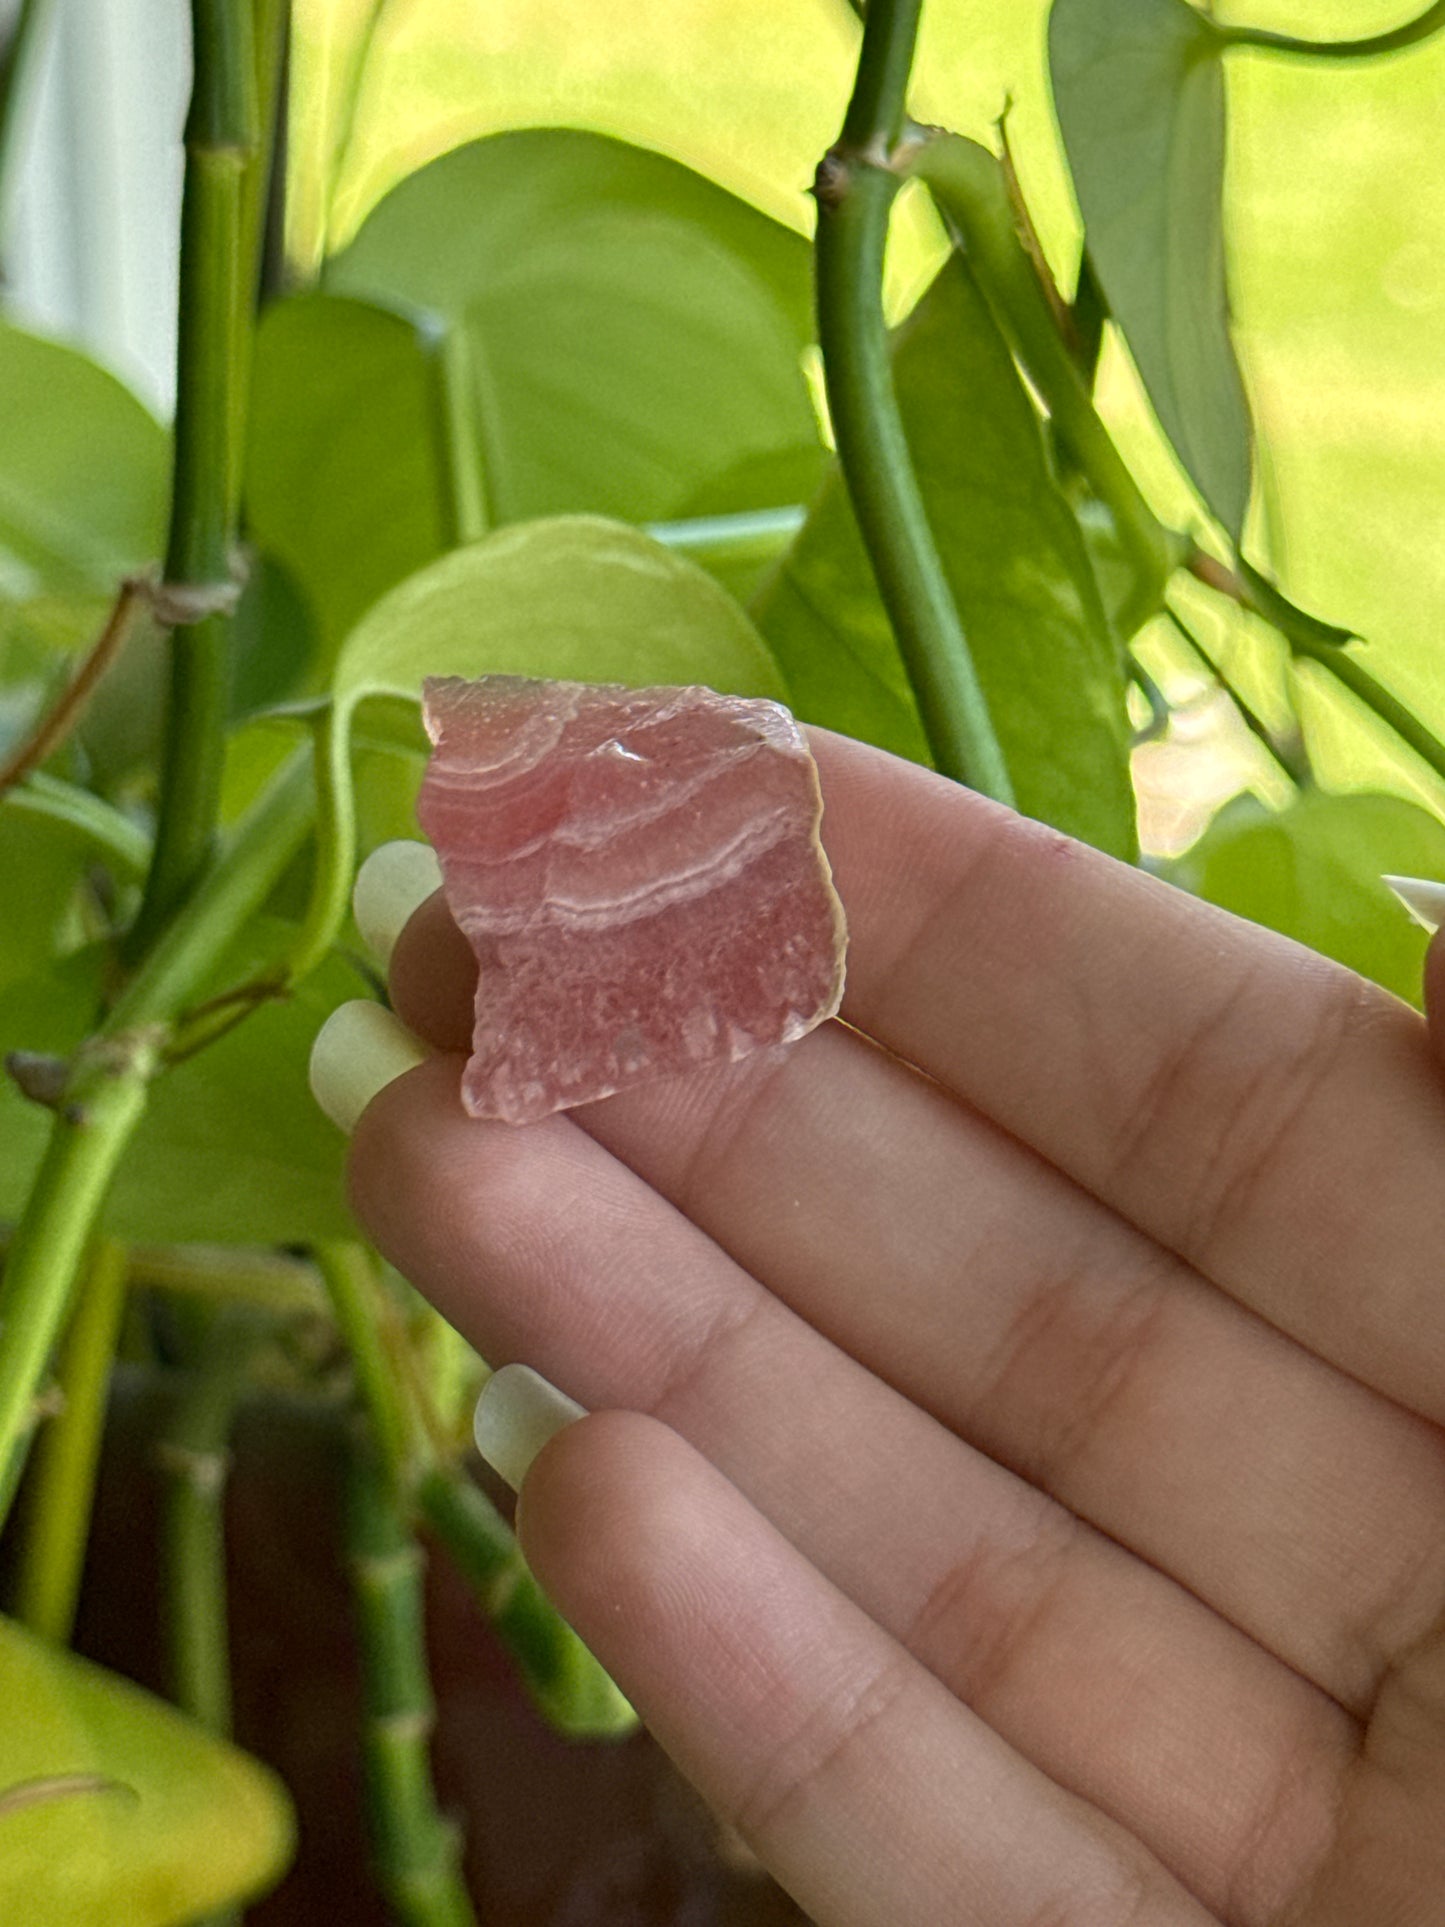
[1045, 1329]
[997, 1295]
[861, 1783]
[1268, 1115]
[1117, 1682]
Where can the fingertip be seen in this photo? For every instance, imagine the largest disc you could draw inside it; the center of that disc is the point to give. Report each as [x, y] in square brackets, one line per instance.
[358, 1051]
[393, 882]
[518, 1412]
[433, 977]
[604, 1514]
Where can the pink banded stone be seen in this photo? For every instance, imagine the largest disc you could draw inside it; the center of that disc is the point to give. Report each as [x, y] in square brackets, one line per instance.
[640, 875]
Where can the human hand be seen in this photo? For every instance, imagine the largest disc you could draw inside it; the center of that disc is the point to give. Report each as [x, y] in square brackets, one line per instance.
[1018, 1495]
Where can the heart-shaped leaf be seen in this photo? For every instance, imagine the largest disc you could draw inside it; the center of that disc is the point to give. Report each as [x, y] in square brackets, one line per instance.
[574, 597]
[619, 329]
[1016, 563]
[115, 1811]
[84, 473]
[344, 467]
[1313, 871]
[1139, 94]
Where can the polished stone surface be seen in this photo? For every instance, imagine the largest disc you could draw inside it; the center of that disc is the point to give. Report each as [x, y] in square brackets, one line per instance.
[640, 875]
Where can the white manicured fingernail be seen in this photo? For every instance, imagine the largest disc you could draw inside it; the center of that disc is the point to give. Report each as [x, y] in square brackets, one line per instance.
[1424, 899]
[517, 1413]
[358, 1050]
[394, 880]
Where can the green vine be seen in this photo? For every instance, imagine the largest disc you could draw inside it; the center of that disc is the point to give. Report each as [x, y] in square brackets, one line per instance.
[100, 1098]
[53, 1555]
[417, 1851]
[855, 187]
[1421, 28]
[217, 300]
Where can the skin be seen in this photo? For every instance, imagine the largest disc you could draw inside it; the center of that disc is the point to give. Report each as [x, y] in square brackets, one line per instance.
[1015, 1486]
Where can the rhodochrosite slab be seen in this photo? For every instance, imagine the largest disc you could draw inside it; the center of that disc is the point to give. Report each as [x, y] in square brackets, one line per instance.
[640, 876]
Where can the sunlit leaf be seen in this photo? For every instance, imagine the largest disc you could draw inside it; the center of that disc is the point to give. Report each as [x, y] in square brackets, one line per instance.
[1139, 93]
[84, 472]
[575, 597]
[1017, 566]
[621, 329]
[343, 477]
[115, 1811]
[1313, 871]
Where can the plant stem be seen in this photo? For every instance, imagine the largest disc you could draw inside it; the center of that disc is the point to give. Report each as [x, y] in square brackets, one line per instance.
[272, 26]
[562, 1676]
[105, 1099]
[334, 866]
[349, 1274]
[971, 188]
[103, 1104]
[217, 295]
[417, 1852]
[454, 414]
[1316, 642]
[564, 1679]
[1160, 713]
[53, 728]
[1290, 757]
[268, 1280]
[63, 1482]
[1351, 674]
[856, 184]
[193, 1456]
[230, 896]
[1422, 27]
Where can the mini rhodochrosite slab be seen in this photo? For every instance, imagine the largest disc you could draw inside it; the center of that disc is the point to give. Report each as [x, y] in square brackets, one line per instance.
[641, 875]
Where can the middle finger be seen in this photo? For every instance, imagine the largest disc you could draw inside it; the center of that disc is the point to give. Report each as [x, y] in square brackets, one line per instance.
[1034, 1321]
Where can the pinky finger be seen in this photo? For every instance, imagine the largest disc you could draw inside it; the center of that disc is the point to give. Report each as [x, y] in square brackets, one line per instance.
[869, 1792]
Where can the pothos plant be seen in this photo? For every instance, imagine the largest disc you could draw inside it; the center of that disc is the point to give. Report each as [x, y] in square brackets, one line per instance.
[546, 413]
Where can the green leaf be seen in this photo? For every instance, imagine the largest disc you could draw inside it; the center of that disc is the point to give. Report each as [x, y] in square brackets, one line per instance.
[115, 1811]
[232, 1149]
[621, 329]
[574, 597]
[84, 472]
[1313, 872]
[342, 473]
[51, 836]
[1018, 569]
[1139, 94]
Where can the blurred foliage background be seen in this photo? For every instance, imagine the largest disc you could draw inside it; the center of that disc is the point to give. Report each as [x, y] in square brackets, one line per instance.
[470, 350]
[1336, 200]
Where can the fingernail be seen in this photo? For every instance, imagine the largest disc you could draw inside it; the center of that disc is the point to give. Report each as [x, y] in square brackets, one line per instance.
[358, 1050]
[1424, 899]
[394, 880]
[517, 1413]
